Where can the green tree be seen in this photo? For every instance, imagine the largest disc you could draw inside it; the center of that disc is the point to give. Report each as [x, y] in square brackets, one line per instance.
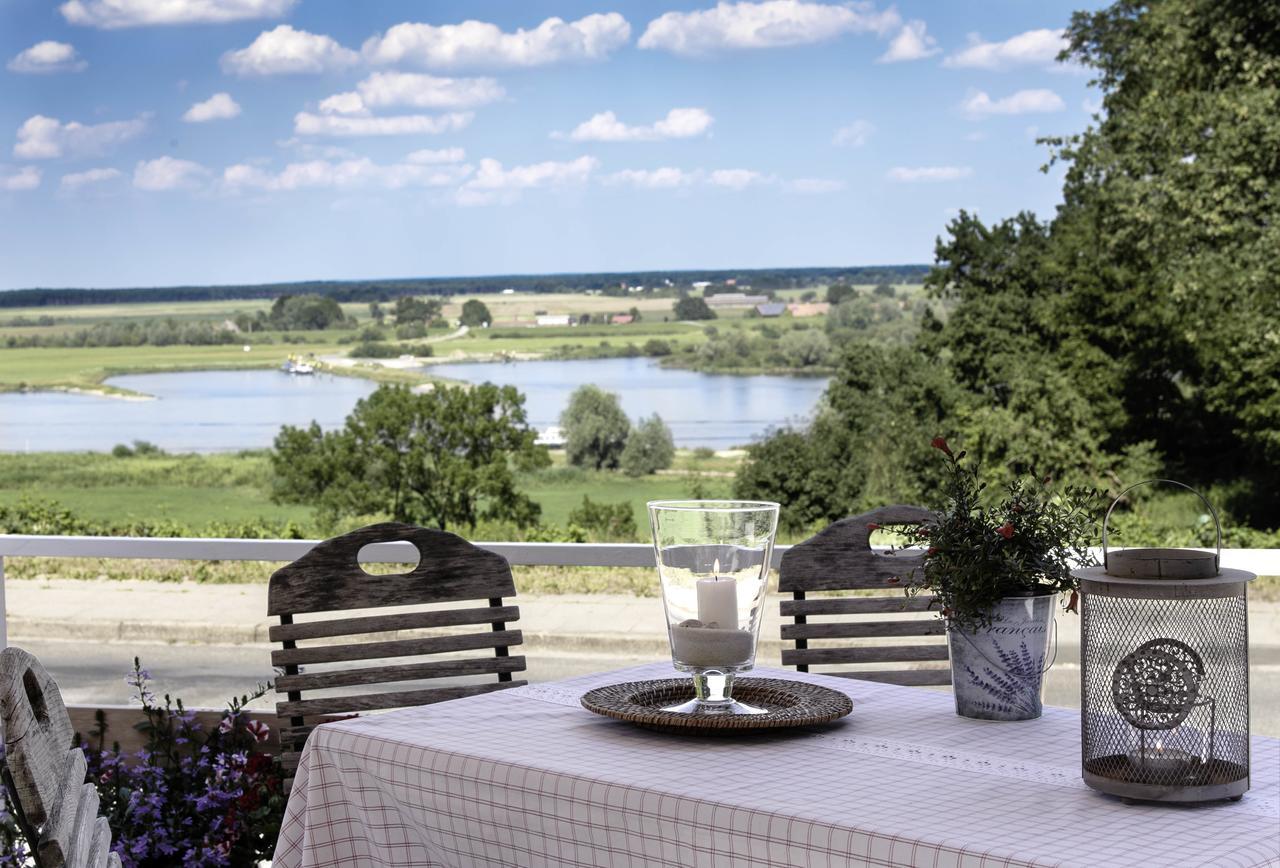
[805, 349]
[376, 313]
[838, 292]
[475, 313]
[691, 307]
[411, 310]
[649, 448]
[445, 458]
[607, 522]
[595, 428]
[305, 312]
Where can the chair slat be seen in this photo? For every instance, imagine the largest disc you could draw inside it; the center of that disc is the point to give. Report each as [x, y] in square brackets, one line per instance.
[868, 654]
[37, 733]
[378, 701]
[73, 850]
[60, 826]
[388, 623]
[907, 677]
[862, 629]
[395, 648]
[855, 606]
[99, 845]
[409, 672]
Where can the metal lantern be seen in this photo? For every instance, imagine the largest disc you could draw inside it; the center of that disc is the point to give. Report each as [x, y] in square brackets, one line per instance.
[1164, 689]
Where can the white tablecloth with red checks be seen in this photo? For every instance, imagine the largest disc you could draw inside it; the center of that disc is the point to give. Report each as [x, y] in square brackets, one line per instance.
[527, 777]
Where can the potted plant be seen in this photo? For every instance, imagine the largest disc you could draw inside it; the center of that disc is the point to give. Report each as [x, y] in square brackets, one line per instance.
[997, 570]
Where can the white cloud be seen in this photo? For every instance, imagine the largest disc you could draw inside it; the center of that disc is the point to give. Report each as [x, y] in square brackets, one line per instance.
[218, 107]
[480, 43]
[285, 50]
[680, 123]
[978, 104]
[1033, 47]
[307, 124]
[735, 179]
[26, 178]
[113, 14]
[911, 43]
[168, 173]
[814, 186]
[853, 135]
[664, 178]
[494, 183]
[929, 173]
[47, 56]
[428, 157]
[360, 173]
[768, 24]
[414, 90]
[45, 138]
[76, 180]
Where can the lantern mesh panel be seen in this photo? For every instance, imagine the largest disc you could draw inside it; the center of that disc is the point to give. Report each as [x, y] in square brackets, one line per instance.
[1163, 681]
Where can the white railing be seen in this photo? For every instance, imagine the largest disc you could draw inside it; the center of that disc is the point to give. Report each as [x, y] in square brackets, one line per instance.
[1260, 561]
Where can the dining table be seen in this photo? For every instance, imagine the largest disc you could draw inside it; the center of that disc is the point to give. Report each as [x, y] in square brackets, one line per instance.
[529, 777]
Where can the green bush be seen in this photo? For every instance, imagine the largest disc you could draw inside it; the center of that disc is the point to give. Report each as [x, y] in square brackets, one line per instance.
[607, 522]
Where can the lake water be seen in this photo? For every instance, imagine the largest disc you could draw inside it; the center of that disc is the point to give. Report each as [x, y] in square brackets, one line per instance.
[223, 411]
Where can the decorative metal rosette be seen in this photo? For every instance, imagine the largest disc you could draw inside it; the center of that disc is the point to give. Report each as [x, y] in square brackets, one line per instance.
[1156, 685]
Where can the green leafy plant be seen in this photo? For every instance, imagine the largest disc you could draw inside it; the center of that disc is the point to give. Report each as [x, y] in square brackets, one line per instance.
[1025, 544]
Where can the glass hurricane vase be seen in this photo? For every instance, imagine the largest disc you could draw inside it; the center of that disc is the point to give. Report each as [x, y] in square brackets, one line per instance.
[713, 560]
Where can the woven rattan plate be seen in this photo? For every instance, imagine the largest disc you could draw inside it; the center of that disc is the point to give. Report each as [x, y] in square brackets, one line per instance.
[788, 704]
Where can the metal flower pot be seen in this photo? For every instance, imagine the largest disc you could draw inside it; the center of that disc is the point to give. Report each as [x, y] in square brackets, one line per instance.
[997, 673]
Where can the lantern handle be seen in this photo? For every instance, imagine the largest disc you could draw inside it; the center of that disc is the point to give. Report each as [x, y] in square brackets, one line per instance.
[1217, 524]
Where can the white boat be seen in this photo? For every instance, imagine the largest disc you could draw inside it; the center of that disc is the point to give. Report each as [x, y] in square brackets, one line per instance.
[297, 366]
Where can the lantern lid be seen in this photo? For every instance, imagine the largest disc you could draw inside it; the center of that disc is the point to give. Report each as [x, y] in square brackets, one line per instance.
[1166, 563]
[1102, 575]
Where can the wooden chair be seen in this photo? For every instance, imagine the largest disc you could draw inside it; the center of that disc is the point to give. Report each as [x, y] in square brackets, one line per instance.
[44, 771]
[328, 579]
[839, 558]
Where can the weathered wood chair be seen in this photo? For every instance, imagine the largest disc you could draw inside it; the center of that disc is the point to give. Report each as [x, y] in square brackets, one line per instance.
[328, 579]
[44, 771]
[840, 558]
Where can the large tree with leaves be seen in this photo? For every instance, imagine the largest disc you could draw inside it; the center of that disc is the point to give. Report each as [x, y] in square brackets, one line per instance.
[444, 458]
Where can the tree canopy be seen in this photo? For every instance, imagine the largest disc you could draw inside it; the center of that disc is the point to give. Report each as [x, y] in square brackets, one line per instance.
[475, 313]
[649, 448]
[595, 428]
[305, 312]
[692, 307]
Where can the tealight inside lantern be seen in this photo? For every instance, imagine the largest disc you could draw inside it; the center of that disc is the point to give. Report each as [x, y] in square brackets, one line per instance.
[1165, 674]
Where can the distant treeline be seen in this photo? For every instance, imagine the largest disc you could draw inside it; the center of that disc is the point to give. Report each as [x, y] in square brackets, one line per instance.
[385, 290]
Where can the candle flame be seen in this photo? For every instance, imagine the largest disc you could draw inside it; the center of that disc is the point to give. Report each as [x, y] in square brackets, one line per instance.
[715, 568]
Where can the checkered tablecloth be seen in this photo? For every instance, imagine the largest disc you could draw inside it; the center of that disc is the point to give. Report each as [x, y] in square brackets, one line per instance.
[528, 777]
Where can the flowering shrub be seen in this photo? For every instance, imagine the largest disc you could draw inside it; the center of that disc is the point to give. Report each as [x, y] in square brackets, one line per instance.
[977, 554]
[192, 797]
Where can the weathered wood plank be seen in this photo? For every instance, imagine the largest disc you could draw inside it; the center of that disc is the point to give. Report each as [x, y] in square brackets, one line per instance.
[99, 845]
[329, 578]
[864, 629]
[906, 677]
[60, 826]
[73, 851]
[388, 623]
[389, 674]
[869, 654]
[840, 558]
[37, 732]
[854, 606]
[379, 701]
[395, 648]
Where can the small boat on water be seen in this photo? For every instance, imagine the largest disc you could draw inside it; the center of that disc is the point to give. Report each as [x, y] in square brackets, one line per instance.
[296, 365]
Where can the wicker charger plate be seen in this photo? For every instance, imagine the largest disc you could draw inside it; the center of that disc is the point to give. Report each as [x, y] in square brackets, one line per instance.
[788, 704]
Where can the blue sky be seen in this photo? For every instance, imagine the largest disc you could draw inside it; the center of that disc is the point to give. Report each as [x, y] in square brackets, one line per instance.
[236, 141]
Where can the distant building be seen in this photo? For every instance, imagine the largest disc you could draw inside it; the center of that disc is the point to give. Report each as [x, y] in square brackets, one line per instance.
[508, 291]
[772, 309]
[556, 319]
[809, 308]
[732, 281]
[723, 300]
[622, 319]
[701, 284]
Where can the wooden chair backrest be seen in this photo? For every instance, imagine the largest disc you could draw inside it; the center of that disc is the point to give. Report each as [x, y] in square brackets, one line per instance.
[45, 772]
[329, 579]
[840, 558]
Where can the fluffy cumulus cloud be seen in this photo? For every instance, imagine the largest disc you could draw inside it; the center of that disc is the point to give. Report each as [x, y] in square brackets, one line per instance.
[735, 179]
[46, 138]
[911, 43]
[78, 180]
[114, 14]
[679, 123]
[288, 51]
[26, 178]
[47, 56]
[429, 157]
[929, 173]
[853, 135]
[480, 43]
[413, 90]
[168, 173]
[1033, 47]
[1038, 100]
[218, 107]
[308, 124]
[665, 178]
[353, 174]
[494, 182]
[769, 24]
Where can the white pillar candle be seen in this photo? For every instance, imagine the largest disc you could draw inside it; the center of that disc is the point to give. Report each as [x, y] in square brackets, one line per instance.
[718, 602]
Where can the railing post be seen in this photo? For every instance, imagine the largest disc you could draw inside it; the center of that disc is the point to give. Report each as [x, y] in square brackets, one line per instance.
[4, 613]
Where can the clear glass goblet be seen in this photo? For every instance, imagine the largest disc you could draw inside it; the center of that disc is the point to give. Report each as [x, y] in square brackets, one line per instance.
[713, 559]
